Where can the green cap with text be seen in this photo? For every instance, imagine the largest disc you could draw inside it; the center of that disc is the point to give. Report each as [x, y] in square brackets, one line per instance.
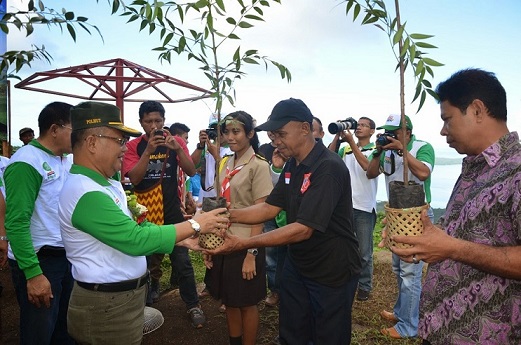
[97, 114]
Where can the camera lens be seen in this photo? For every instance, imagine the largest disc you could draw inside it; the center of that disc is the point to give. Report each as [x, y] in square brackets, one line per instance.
[339, 126]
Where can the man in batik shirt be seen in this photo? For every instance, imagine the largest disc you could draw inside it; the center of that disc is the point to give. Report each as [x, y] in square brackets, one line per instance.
[472, 292]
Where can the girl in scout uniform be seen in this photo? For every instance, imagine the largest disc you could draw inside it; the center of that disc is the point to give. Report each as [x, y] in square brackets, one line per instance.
[240, 277]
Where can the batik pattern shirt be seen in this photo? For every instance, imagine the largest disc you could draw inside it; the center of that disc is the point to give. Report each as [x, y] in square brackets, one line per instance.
[461, 304]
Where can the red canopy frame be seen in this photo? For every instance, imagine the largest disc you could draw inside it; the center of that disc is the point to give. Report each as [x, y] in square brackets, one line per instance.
[115, 79]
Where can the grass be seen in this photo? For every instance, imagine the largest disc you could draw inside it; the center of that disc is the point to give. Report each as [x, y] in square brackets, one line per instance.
[366, 322]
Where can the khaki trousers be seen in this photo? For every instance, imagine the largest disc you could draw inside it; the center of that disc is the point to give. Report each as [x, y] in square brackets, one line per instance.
[96, 317]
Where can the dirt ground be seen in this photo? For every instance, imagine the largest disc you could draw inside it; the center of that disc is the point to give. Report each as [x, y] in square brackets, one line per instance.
[178, 330]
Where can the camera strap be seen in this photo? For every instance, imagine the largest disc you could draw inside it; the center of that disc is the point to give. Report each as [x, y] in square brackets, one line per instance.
[393, 166]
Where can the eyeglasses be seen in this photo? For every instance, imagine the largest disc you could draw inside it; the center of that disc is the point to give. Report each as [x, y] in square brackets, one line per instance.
[121, 141]
[364, 125]
[66, 127]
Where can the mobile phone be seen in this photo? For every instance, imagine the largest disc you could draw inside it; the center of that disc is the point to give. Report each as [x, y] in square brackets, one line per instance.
[159, 132]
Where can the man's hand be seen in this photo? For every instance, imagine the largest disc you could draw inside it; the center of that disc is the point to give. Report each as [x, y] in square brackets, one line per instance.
[347, 136]
[394, 144]
[203, 137]
[153, 142]
[212, 221]
[172, 143]
[213, 150]
[278, 159]
[231, 244]
[190, 243]
[432, 246]
[39, 291]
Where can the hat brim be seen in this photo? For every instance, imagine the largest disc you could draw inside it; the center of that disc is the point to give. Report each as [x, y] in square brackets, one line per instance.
[272, 125]
[127, 130]
[391, 128]
[388, 128]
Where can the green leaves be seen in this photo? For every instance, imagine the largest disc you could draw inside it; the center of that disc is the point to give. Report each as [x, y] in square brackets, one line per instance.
[28, 20]
[409, 49]
[217, 24]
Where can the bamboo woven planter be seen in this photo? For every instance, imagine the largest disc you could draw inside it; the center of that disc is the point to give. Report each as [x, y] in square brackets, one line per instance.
[403, 221]
[212, 241]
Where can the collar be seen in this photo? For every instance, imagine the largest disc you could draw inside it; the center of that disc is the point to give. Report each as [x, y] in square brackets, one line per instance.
[492, 154]
[246, 157]
[39, 145]
[93, 175]
[314, 154]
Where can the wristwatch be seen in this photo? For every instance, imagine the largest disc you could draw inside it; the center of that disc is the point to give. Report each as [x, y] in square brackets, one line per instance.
[199, 146]
[253, 251]
[196, 227]
[4, 238]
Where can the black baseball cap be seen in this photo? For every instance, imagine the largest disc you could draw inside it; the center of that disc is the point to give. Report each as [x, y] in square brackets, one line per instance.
[292, 109]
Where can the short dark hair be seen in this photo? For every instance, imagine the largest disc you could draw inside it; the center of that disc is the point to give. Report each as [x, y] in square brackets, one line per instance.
[77, 137]
[467, 85]
[179, 128]
[55, 113]
[321, 129]
[372, 124]
[149, 107]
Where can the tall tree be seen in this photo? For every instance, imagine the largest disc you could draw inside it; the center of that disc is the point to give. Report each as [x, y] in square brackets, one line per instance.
[408, 49]
[207, 40]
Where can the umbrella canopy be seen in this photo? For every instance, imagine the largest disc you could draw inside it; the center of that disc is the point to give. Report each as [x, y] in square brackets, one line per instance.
[113, 80]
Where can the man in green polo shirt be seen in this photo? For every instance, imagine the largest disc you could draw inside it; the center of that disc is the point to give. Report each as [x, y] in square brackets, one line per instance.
[105, 246]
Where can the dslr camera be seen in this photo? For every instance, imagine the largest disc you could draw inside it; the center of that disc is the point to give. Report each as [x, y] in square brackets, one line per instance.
[212, 133]
[339, 126]
[382, 138]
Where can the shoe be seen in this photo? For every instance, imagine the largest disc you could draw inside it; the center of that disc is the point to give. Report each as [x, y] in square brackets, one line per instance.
[362, 295]
[197, 317]
[391, 332]
[388, 316]
[204, 293]
[222, 308]
[154, 291]
[272, 300]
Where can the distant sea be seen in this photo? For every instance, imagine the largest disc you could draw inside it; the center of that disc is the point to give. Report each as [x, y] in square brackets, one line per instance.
[446, 171]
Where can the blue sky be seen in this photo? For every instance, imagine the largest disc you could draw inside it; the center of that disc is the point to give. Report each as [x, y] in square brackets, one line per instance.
[339, 68]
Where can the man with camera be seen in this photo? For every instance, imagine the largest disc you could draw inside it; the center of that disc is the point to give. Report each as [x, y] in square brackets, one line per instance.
[204, 157]
[206, 154]
[388, 158]
[355, 156]
[151, 163]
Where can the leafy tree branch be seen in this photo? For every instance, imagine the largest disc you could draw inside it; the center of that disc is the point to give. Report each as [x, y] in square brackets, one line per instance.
[408, 48]
[25, 20]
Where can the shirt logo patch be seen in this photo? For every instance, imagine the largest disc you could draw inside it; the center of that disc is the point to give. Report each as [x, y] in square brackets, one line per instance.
[51, 174]
[305, 183]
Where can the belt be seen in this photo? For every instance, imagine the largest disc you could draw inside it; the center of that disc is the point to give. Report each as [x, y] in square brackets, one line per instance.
[56, 252]
[126, 285]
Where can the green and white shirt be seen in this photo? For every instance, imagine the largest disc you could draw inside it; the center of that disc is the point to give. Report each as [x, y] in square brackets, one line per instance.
[102, 241]
[33, 181]
[364, 190]
[422, 151]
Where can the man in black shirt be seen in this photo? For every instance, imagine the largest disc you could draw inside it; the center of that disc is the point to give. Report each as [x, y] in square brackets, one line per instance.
[320, 274]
